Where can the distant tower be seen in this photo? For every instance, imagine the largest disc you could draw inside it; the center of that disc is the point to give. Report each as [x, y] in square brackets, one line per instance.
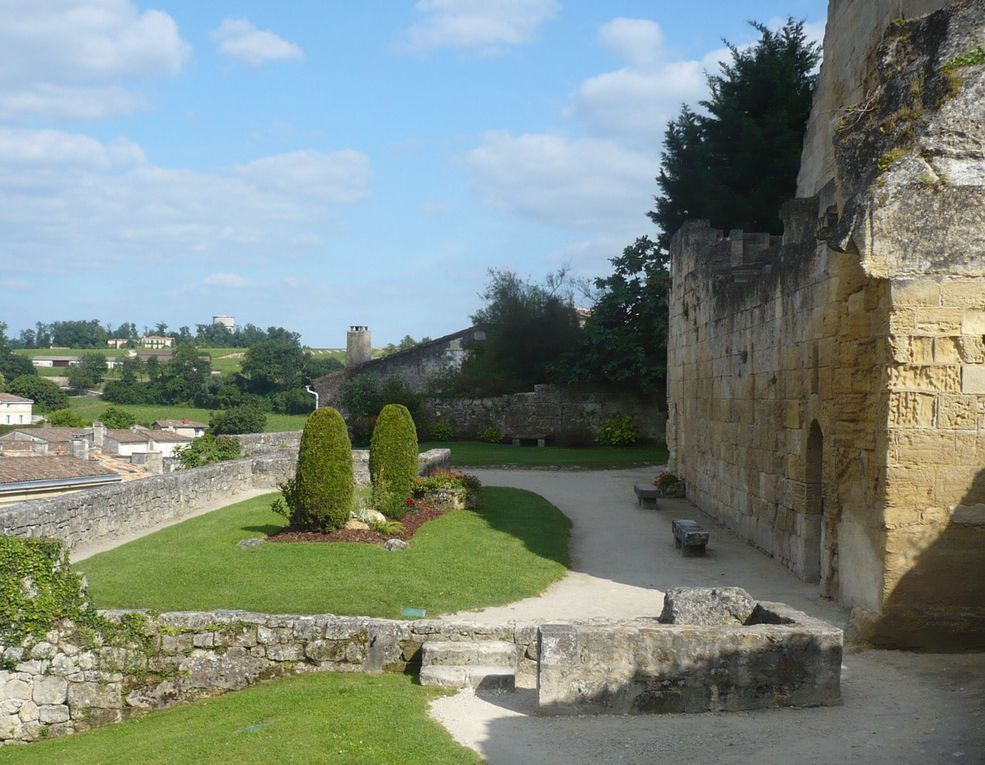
[229, 322]
[358, 346]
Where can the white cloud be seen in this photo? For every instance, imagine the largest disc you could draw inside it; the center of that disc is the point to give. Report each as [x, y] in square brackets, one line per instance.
[64, 59]
[483, 24]
[634, 103]
[67, 198]
[239, 39]
[224, 280]
[574, 183]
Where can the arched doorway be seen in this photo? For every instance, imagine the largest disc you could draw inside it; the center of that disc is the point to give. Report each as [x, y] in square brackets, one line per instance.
[816, 556]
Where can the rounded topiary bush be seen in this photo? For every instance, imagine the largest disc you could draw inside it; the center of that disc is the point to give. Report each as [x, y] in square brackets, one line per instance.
[393, 460]
[320, 495]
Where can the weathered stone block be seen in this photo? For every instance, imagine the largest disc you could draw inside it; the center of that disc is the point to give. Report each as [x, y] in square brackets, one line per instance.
[707, 606]
[973, 380]
[94, 694]
[56, 713]
[50, 690]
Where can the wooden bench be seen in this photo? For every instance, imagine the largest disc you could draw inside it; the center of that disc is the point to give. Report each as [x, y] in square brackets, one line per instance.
[689, 536]
[645, 491]
[518, 439]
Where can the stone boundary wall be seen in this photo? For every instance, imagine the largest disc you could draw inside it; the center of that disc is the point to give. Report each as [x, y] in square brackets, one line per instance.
[644, 667]
[558, 412]
[102, 515]
[58, 686]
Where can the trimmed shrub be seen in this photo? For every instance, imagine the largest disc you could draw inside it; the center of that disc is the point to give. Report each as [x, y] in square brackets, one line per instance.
[393, 460]
[492, 435]
[442, 431]
[618, 431]
[320, 495]
[207, 450]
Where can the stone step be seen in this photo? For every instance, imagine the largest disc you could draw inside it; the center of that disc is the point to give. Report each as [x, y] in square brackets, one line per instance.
[473, 676]
[485, 653]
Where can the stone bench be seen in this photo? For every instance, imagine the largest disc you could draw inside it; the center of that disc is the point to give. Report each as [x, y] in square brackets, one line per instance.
[689, 536]
[645, 491]
[519, 439]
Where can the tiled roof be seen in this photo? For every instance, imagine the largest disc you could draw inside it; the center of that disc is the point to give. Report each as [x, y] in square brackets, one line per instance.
[142, 435]
[10, 398]
[52, 435]
[22, 469]
[179, 424]
[169, 436]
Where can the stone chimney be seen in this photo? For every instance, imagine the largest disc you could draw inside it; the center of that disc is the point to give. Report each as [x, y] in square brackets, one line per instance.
[358, 346]
[98, 434]
[80, 447]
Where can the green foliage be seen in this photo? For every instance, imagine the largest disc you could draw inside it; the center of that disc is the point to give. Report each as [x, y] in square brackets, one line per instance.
[738, 164]
[404, 345]
[974, 56]
[441, 431]
[527, 327]
[44, 393]
[492, 435]
[618, 431]
[66, 418]
[271, 366]
[114, 417]
[294, 401]
[240, 419]
[386, 527]
[208, 449]
[393, 462]
[624, 343]
[37, 588]
[88, 373]
[448, 482]
[320, 494]
[365, 395]
[319, 366]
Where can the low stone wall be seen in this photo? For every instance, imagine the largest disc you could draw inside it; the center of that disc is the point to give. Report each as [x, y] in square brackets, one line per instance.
[643, 666]
[102, 515]
[567, 415]
[265, 443]
[60, 686]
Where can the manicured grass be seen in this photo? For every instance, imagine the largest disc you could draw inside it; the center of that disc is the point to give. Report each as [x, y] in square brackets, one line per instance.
[514, 547]
[320, 718]
[479, 454]
[91, 408]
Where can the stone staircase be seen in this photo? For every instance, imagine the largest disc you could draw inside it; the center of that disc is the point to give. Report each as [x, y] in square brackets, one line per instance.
[488, 665]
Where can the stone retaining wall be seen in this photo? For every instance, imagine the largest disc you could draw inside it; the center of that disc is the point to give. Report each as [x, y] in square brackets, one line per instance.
[58, 686]
[566, 415]
[644, 667]
[99, 516]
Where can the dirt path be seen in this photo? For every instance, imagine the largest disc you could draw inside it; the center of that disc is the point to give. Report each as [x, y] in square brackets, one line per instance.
[899, 707]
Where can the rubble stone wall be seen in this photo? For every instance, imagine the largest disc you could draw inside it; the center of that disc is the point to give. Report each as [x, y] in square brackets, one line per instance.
[60, 685]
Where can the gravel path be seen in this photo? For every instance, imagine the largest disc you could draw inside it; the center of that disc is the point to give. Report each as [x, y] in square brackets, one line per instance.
[899, 707]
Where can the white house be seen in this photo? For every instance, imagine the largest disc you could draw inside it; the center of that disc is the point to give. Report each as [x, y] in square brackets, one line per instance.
[184, 427]
[15, 410]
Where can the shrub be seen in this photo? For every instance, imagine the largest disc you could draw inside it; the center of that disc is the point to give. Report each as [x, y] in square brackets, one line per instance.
[47, 396]
[122, 392]
[618, 431]
[66, 418]
[444, 484]
[492, 435]
[208, 449]
[393, 460]
[442, 431]
[239, 419]
[320, 494]
[294, 401]
[114, 417]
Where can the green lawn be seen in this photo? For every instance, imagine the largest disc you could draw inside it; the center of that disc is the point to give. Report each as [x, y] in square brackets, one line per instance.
[513, 548]
[479, 454]
[91, 408]
[319, 718]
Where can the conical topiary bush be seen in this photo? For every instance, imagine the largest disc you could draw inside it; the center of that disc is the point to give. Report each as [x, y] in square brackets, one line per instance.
[393, 460]
[320, 495]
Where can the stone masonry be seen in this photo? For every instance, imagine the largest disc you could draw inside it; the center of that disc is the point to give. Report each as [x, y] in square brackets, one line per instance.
[827, 388]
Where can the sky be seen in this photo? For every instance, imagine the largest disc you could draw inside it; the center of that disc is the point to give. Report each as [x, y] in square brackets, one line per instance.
[317, 164]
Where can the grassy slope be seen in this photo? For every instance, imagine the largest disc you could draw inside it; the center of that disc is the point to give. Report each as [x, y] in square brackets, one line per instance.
[514, 548]
[308, 719]
[478, 454]
[91, 408]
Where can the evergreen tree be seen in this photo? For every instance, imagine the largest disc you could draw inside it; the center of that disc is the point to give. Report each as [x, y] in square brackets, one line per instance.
[738, 164]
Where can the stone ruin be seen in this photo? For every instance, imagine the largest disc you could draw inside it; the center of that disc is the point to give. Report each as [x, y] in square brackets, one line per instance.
[826, 388]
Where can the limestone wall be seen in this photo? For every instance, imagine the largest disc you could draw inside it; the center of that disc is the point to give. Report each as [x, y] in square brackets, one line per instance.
[63, 684]
[827, 393]
[561, 413]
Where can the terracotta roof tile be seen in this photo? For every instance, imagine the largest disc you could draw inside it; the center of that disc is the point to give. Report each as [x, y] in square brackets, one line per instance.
[21, 469]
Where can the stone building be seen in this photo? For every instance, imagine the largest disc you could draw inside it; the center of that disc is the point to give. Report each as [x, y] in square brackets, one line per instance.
[827, 387]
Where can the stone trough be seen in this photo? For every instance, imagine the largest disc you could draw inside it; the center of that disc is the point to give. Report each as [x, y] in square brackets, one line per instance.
[712, 650]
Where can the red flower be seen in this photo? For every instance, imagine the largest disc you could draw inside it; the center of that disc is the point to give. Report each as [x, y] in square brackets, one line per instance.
[410, 502]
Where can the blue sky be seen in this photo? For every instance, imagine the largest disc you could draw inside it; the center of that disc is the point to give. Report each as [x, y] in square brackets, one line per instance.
[318, 164]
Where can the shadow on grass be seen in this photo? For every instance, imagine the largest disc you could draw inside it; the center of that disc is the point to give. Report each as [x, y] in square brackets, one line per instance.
[266, 529]
[543, 529]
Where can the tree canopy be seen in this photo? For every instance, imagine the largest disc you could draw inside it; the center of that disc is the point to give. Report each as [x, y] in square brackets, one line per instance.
[738, 163]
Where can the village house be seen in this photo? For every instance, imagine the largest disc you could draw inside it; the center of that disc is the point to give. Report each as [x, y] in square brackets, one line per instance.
[184, 427]
[15, 410]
